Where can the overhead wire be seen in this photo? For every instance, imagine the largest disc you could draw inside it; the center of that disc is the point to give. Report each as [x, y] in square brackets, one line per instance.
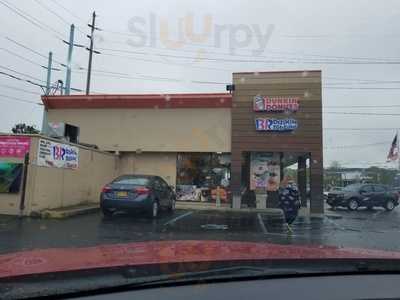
[252, 50]
[32, 20]
[60, 17]
[14, 88]
[18, 99]
[378, 62]
[69, 11]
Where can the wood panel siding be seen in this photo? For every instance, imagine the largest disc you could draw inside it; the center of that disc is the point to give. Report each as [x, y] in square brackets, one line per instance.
[307, 138]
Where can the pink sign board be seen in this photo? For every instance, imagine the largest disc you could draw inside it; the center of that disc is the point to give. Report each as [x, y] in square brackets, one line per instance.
[14, 146]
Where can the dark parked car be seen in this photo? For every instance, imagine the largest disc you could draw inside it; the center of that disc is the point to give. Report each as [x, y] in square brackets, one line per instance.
[148, 194]
[364, 195]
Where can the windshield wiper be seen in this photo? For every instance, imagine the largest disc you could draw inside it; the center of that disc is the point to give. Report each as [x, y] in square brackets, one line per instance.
[215, 273]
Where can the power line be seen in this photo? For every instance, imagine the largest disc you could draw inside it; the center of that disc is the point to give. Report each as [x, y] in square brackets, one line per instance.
[164, 62]
[359, 88]
[357, 146]
[58, 15]
[19, 100]
[308, 60]
[252, 60]
[360, 113]
[252, 50]
[69, 11]
[52, 12]
[133, 77]
[18, 89]
[361, 129]
[30, 49]
[363, 83]
[360, 106]
[34, 21]
[363, 80]
[21, 57]
[20, 73]
[44, 56]
[28, 81]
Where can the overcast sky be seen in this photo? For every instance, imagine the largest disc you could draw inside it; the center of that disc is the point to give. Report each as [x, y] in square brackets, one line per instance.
[264, 36]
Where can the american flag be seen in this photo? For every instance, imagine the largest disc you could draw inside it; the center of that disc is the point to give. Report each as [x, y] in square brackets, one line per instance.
[394, 150]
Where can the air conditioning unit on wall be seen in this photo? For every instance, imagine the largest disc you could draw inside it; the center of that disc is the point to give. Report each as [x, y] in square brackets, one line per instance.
[63, 131]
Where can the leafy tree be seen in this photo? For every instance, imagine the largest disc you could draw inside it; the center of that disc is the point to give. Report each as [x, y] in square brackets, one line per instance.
[22, 128]
[335, 165]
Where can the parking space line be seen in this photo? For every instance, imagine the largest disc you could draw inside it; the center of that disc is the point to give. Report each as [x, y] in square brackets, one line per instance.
[335, 224]
[377, 214]
[178, 218]
[261, 222]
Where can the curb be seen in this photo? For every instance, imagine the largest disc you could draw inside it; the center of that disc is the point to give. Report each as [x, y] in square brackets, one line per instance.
[271, 211]
[66, 213]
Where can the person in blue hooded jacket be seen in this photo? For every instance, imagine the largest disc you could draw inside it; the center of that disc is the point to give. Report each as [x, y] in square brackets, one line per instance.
[289, 201]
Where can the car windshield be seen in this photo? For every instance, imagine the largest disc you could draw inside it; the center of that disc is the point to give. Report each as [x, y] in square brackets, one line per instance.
[153, 135]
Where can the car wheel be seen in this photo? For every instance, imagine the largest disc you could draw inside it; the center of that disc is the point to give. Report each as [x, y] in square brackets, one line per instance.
[353, 204]
[106, 212]
[389, 205]
[154, 210]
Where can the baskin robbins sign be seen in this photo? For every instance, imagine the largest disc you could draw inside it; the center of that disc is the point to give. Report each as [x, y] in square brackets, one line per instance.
[57, 155]
[265, 124]
[276, 105]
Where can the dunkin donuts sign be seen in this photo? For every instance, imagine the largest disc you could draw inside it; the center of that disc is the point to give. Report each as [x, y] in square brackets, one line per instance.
[275, 104]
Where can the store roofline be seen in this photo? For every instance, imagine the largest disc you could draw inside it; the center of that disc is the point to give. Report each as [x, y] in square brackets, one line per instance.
[275, 72]
[158, 101]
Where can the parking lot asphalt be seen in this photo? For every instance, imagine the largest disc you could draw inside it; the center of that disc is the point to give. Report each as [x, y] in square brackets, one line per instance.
[376, 229]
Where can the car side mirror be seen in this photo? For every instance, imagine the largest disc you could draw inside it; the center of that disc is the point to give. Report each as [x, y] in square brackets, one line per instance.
[172, 187]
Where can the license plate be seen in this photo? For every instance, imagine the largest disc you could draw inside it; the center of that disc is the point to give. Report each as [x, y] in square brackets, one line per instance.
[122, 194]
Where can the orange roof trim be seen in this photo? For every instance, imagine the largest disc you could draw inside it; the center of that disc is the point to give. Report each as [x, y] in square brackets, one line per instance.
[157, 101]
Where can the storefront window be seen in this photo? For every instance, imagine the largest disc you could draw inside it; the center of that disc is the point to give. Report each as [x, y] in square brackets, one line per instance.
[200, 174]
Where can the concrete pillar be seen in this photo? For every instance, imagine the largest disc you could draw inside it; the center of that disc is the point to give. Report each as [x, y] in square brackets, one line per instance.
[282, 168]
[316, 183]
[236, 201]
[261, 200]
[236, 178]
[302, 179]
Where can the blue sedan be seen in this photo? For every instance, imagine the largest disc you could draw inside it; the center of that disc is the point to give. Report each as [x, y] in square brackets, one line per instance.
[132, 193]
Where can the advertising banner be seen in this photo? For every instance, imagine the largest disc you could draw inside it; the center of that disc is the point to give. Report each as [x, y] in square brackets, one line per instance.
[57, 155]
[264, 171]
[276, 124]
[14, 146]
[10, 177]
[275, 104]
[187, 193]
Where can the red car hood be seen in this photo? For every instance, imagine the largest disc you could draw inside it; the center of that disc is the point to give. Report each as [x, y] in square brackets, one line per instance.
[158, 252]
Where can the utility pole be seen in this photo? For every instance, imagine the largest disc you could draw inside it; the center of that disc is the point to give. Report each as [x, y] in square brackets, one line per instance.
[48, 89]
[48, 82]
[91, 51]
[69, 59]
